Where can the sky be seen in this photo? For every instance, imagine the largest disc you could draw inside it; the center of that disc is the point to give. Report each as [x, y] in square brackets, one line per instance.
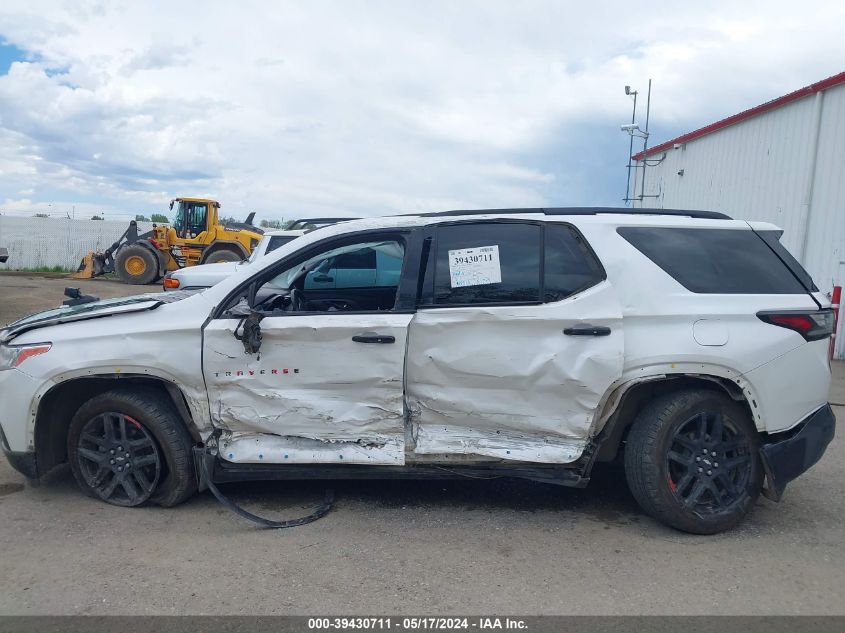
[361, 108]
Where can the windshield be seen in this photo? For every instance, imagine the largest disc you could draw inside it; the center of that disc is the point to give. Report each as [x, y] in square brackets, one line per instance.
[62, 311]
[273, 242]
[177, 222]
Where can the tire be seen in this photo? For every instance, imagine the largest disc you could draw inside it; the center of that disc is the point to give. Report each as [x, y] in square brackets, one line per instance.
[223, 255]
[145, 426]
[136, 264]
[671, 476]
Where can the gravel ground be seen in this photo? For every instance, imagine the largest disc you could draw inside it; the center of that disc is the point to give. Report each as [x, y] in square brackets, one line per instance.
[469, 546]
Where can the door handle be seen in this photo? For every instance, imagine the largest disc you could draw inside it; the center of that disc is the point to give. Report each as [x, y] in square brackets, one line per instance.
[374, 338]
[587, 330]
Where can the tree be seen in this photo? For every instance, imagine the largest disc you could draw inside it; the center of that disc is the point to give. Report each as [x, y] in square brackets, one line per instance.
[141, 218]
[274, 224]
[41, 215]
[96, 217]
[227, 220]
[160, 218]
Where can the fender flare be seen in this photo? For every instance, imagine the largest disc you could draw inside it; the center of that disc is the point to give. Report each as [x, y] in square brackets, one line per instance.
[607, 426]
[196, 403]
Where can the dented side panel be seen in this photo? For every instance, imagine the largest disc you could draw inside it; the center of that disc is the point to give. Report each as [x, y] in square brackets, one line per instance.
[506, 382]
[310, 381]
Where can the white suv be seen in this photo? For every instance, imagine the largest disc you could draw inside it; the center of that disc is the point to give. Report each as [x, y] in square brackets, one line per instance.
[525, 343]
[207, 275]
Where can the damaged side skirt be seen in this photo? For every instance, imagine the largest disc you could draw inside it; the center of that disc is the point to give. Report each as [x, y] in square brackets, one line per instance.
[225, 472]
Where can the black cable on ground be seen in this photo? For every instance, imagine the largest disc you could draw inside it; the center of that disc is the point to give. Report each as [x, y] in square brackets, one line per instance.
[321, 511]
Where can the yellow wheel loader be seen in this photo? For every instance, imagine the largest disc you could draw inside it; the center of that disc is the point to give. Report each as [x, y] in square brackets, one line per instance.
[195, 237]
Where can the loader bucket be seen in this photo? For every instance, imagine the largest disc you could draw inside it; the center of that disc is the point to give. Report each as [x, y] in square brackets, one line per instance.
[91, 266]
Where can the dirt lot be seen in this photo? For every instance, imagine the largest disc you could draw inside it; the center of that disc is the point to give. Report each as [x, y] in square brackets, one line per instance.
[410, 547]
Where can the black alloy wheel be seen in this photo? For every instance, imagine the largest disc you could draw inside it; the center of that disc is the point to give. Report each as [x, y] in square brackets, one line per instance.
[119, 459]
[708, 463]
[692, 460]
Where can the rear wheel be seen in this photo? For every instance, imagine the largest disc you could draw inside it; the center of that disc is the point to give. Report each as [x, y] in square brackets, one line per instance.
[136, 264]
[222, 256]
[127, 447]
[692, 461]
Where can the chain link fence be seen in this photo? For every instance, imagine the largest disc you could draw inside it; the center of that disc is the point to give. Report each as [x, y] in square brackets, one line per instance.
[40, 243]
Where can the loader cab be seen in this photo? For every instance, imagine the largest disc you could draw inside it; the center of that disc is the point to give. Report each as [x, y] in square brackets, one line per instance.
[192, 217]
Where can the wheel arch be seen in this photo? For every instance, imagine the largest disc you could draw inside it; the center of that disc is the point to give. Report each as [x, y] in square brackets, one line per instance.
[625, 401]
[221, 245]
[57, 406]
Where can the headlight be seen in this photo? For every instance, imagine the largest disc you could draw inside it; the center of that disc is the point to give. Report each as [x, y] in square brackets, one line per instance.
[13, 355]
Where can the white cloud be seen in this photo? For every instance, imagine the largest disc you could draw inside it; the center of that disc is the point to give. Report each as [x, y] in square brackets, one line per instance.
[370, 107]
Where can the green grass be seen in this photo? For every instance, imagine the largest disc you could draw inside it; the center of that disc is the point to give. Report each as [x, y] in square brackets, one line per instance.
[44, 269]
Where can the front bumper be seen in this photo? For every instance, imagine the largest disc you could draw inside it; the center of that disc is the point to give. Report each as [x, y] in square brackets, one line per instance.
[18, 392]
[796, 451]
[24, 463]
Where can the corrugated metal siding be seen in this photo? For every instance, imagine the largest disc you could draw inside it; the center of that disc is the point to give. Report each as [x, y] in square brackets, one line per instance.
[826, 230]
[758, 169]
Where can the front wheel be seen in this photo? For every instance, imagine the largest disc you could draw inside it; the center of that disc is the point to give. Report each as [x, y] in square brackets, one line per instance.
[128, 447]
[136, 264]
[692, 461]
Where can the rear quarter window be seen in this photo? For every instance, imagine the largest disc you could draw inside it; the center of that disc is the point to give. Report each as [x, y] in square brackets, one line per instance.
[715, 261]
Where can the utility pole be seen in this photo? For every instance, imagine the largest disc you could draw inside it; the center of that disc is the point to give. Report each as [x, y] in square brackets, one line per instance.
[631, 93]
[633, 129]
[645, 140]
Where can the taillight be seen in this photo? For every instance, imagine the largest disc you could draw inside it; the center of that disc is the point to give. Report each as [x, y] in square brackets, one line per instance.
[813, 325]
[170, 282]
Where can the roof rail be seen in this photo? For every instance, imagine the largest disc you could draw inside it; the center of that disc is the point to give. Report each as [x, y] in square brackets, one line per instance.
[303, 222]
[707, 215]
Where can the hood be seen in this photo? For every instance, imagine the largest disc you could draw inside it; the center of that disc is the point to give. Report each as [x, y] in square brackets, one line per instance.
[221, 269]
[93, 310]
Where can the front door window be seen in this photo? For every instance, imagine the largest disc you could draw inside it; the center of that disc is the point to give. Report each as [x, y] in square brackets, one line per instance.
[362, 277]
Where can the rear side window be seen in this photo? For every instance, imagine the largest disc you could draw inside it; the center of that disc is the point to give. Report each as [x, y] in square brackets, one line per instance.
[508, 262]
[715, 261]
[487, 263]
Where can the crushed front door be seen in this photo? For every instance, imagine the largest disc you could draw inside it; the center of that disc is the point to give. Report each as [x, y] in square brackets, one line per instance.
[324, 388]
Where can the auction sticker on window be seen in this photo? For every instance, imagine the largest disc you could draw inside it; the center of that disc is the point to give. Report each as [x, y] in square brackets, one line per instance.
[475, 266]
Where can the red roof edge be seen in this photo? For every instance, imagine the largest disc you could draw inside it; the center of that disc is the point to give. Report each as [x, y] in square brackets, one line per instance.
[824, 84]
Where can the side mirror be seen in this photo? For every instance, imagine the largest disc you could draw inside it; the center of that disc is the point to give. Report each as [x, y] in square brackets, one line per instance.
[323, 279]
[250, 332]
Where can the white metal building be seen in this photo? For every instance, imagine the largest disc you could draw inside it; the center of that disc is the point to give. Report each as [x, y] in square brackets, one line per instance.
[781, 162]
